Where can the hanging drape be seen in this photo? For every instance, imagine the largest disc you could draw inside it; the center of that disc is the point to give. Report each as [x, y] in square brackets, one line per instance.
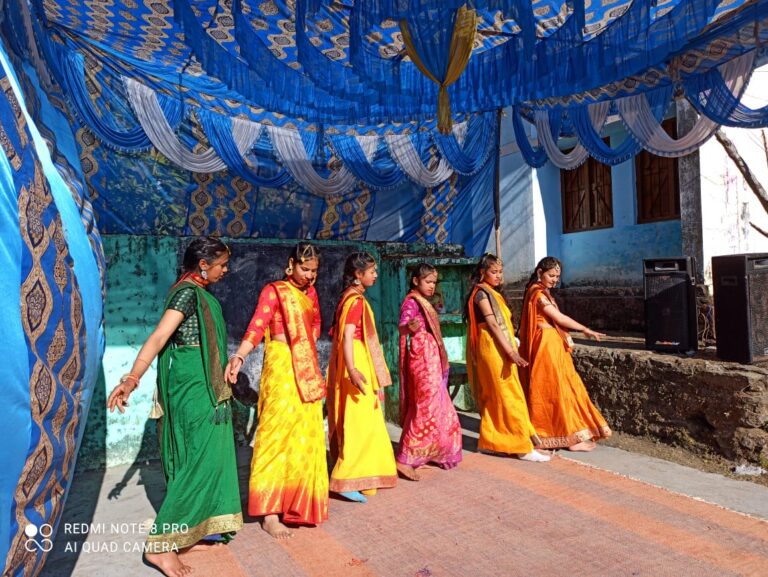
[426, 158]
[161, 133]
[382, 174]
[711, 96]
[293, 155]
[468, 155]
[637, 116]
[407, 157]
[716, 96]
[219, 130]
[71, 70]
[431, 63]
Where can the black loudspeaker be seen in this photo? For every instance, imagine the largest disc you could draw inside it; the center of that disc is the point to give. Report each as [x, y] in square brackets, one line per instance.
[670, 304]
[741, 306]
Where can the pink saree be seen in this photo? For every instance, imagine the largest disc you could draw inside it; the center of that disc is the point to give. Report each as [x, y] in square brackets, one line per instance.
[431, 429]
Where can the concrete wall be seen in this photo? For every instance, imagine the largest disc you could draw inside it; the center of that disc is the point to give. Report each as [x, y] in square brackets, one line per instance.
[139, 272]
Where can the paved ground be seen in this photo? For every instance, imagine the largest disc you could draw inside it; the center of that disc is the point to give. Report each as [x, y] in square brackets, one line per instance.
[607, 513]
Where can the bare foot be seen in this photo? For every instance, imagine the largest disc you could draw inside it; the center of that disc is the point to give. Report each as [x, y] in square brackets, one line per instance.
[168, 564]
[408, 472]
[584, 446]
[272, 525]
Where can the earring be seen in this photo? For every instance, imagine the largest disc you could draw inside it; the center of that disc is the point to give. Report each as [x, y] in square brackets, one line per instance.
[204, 274]
[289, 271]
[356, 281]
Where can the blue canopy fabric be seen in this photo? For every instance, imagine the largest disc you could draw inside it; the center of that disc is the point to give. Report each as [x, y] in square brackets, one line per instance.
[52, 329]
[322, 61]
[333, 71]
[341, 68]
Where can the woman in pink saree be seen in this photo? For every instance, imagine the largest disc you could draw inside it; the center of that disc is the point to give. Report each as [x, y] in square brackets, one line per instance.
[431, 429]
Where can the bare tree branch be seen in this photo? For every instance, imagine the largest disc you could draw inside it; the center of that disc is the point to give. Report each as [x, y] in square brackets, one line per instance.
[758, 229]
[738, 160]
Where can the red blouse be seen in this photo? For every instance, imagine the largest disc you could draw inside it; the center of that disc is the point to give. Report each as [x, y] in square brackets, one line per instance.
[355, 317]
[269, 316]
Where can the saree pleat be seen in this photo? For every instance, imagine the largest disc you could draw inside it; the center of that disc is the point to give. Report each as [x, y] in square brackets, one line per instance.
[289, 473]
[505, 426]
[558, 402]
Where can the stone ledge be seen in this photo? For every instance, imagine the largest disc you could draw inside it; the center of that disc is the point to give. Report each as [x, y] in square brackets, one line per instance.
[693, 402]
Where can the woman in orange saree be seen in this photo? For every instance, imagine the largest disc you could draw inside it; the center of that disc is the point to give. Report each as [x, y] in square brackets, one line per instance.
[289, 473]
[492, 362]
[358, 438]
[558, 402]
[431, 430]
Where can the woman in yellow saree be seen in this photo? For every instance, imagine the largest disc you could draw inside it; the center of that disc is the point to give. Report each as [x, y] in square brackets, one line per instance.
[289, 473]
[357, 373]
[492, 362]
[558, 402]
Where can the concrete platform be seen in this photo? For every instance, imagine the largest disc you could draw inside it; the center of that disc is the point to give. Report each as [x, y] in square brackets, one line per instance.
[608, 513]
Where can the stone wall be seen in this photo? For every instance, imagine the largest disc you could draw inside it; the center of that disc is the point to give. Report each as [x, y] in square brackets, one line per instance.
[696, 403]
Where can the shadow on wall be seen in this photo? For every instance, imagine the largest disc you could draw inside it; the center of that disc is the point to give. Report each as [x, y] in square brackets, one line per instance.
[94, 508]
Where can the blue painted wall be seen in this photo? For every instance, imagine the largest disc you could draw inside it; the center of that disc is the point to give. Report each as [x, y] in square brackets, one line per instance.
[610, 256]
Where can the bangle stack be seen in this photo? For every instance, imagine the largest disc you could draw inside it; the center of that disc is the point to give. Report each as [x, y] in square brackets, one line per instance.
[237, 356]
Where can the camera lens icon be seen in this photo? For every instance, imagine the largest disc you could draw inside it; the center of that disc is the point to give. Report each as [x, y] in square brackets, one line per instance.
[38, 538]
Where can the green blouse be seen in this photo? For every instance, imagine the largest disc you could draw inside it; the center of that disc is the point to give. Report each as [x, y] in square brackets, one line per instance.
[188, 332]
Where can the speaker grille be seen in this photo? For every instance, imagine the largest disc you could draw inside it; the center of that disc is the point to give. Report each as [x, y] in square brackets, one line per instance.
[667, 310]
[758, 313]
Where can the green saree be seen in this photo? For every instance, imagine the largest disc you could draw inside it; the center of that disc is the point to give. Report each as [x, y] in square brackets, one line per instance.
[196, 438]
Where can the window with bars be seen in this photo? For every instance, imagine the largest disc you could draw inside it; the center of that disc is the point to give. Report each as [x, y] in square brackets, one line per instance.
[657, 182]
[587, 197]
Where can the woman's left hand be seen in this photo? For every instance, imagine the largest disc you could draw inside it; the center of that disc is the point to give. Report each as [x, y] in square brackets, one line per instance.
[232, 369]
[593, 334]
[515, 357]
[118, 398]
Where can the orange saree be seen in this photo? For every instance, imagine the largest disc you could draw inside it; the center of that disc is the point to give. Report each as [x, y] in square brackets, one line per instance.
[558, 402]
[504, 423]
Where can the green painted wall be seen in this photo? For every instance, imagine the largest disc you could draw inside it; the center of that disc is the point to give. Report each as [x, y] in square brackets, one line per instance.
[141, 269]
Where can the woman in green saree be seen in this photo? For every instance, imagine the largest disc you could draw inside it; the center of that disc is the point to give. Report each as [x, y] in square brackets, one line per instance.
[196, 438]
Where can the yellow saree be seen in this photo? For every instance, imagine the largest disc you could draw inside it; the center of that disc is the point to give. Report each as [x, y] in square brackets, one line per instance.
[289, 474]
[359, 441]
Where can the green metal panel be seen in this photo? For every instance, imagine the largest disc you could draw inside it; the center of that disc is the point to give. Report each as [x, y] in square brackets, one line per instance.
[454, 272]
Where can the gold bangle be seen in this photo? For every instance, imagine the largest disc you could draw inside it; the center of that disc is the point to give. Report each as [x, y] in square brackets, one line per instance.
[237, 356]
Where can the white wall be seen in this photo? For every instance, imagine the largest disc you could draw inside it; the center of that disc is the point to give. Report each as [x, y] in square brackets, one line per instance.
[522, 223]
